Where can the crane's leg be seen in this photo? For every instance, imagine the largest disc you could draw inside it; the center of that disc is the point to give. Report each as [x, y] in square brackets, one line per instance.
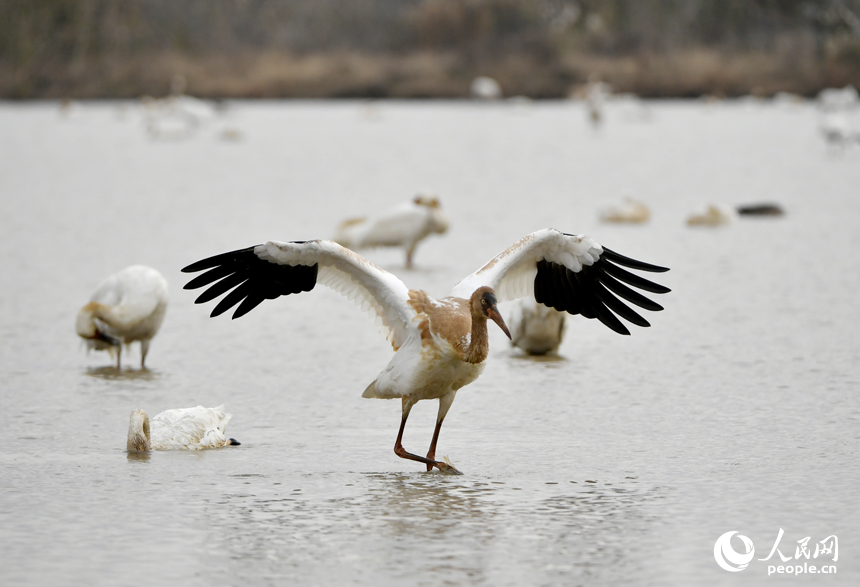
[118, 356]
[410, 250]
[144, 349]
[401, 452]
[444, 405]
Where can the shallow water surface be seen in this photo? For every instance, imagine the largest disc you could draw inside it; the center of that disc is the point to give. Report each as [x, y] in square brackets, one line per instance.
[621, 462]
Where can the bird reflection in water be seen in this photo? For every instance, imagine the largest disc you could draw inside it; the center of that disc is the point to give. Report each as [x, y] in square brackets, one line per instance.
[111, 373]
[460, 527]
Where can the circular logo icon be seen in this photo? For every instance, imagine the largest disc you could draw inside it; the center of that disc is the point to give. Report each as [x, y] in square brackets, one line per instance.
[728, 558]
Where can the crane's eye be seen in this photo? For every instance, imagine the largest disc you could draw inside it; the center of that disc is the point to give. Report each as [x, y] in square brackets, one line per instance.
[483, 302]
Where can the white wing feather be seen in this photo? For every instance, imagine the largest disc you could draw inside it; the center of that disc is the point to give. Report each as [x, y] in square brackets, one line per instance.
[374, 290]
[512, 272]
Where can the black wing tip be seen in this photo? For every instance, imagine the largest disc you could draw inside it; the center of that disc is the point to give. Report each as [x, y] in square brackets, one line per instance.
[619, 327]
[583, 292]
[247, 280]
[632, 263]
[215, 260]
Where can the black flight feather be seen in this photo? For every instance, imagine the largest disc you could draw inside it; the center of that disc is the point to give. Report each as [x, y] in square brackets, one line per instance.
[590, 290]
[251, 279]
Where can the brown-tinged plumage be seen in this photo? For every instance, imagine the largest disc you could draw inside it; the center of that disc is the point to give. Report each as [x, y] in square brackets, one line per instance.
[440, 345]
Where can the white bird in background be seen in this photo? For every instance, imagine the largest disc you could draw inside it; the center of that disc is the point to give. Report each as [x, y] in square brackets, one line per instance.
[404, 226]
[178, 116]
[440, 345]
[596, 95]
[628, 211]
[713, 216]
[485, 88]
[179, 429]
[836, 99]
[839, 116]
[126, 307]
[838, 131]
[535, 328]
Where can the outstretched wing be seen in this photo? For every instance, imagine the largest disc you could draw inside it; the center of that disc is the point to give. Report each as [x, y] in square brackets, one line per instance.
[571, 273]
[275, 269]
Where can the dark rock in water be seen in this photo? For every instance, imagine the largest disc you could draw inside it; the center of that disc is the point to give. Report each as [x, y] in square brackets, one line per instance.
[760, 210]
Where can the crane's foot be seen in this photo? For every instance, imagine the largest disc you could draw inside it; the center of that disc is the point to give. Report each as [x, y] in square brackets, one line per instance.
[447, 467]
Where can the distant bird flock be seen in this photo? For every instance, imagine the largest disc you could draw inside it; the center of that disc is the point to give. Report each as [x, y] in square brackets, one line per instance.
[440, 345]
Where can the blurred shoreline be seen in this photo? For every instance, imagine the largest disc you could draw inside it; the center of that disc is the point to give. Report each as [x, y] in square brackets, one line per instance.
[84, 49]
[351, 74]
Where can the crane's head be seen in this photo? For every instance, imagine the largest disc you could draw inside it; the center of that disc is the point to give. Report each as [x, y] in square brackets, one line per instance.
[484, 303]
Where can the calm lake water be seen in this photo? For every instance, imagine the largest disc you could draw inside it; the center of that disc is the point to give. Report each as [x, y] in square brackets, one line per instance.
[622, 462]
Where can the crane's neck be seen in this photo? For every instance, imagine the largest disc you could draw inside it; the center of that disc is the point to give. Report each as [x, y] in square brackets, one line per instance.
[479, 343]
[138, 432]
[85, 324]
[87, 329]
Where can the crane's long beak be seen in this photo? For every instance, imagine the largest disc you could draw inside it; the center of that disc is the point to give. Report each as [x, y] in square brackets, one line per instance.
[493, 314]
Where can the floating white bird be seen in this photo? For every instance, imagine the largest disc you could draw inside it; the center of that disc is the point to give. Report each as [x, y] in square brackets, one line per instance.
[179, 429]
[440, 346]
[128, 306]
[404, 226]
[535, 328]
[713, 216]
[628, 211]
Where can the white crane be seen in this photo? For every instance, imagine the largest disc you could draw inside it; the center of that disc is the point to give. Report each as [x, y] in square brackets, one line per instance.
[126, 307]
[535, 328]
[179, 429]
[627, 211]
[440, 345]
[403, 226]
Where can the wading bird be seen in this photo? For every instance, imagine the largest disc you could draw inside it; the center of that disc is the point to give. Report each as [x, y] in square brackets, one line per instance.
[128, 306]
[713, 216]
[440, 345]
[628, 211]
[535, 328]
[404, 226]
[179, 429]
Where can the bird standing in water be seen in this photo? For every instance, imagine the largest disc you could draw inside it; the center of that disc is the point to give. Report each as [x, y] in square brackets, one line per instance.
[126, 307]
[535, 328]
[403, 226]
[440, 345]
